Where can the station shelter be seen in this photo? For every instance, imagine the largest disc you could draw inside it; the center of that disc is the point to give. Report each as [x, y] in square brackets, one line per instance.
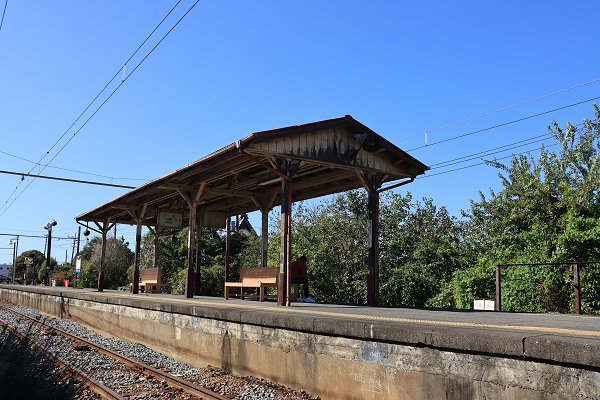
[261, 171]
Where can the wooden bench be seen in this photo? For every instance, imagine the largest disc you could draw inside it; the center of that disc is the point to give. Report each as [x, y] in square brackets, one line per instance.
[258, 278]
[151, 282]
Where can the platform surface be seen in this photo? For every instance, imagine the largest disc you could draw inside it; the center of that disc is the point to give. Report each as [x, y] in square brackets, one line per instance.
[559, 338]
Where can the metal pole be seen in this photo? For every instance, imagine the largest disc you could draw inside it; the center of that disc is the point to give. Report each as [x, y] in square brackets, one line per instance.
[498, 305]
[78, 242]
[577, 288]
[15, 245]
[47, 276]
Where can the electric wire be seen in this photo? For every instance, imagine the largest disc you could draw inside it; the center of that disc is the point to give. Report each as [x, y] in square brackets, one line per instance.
[485, 114]
[3, 14]
[88, 107]
[484, 162]
[73, 170]
[102, 104]
[504, 124]
[56, 178]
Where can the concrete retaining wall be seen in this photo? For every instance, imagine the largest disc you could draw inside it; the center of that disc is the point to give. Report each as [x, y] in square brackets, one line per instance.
[333, 367]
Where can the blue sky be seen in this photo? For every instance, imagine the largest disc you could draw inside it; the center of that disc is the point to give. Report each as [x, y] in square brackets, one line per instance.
[234, 67]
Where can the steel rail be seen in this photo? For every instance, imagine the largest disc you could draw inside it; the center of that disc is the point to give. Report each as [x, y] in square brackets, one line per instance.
[188, 387]
[96, 386]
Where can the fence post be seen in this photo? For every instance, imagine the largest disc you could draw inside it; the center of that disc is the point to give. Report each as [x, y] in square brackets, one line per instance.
[577, 289]
[498, 305]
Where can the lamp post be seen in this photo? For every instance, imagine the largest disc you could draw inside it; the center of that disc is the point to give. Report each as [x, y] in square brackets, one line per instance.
[15, 243]
[48, 227]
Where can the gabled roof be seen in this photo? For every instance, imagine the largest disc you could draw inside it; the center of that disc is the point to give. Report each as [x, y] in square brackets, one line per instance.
[332, 156]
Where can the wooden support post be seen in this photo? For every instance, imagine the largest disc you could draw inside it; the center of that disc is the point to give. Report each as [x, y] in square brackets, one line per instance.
[286, 209]
[373, 278]
[498, 305]
[197, 276]
[138, 246]
[577, 288]
[372, 182]
[227, 246]
[156, 248]
[192, 199]
[104, 228]
[264, 237]
[191, 258]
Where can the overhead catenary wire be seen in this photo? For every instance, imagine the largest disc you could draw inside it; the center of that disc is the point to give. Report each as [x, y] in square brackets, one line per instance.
[3, 14]
[484, 162]
[6, 207]
[486, 114]
[56, 178]
[73, 170]
[86, 109]
[504, 124]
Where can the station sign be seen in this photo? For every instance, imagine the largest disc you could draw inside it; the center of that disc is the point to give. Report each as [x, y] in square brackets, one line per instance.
[78, 265]
[170, 219]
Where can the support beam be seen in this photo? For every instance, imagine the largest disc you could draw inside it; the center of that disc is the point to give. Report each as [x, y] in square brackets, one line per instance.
[264, 204]
[105, 227]
[288, 170]
[372, 183]
[193, 199]
[139, 217]
[227, 246]
[197, 276]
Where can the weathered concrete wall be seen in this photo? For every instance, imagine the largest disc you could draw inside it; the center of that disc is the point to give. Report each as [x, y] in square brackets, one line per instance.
[333, 367]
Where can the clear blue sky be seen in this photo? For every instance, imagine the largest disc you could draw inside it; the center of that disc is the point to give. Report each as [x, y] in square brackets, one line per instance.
[235, 67]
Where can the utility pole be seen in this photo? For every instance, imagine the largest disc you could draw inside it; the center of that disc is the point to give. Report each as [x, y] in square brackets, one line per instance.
[15, 250]
[48, 227]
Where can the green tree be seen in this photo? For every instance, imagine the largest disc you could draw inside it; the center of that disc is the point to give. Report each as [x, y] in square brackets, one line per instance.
[546, 211]
[116, 263]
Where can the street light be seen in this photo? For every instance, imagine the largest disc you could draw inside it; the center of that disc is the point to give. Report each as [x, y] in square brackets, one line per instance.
[48, 227]
[15, 243]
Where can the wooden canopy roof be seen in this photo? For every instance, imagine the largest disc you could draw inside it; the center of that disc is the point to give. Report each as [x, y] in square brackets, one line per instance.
[330, 156]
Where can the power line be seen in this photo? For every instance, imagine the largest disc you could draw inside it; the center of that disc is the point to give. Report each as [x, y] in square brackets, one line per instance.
[72, 170]
[505, 124]
[3, 14]
[99, 107]
[494, 150]
[84, 111]
[483, 162]
[56, 178]
[452, 124]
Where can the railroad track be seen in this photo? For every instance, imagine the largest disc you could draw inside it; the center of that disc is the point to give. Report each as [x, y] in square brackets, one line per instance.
[113, 376]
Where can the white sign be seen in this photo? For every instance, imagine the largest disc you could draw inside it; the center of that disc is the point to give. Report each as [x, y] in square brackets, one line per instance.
[170, 219]
[78, 264]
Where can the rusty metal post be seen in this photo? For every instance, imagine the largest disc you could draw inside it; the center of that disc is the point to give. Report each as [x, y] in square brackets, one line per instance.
[577, 286]
[498, 305]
